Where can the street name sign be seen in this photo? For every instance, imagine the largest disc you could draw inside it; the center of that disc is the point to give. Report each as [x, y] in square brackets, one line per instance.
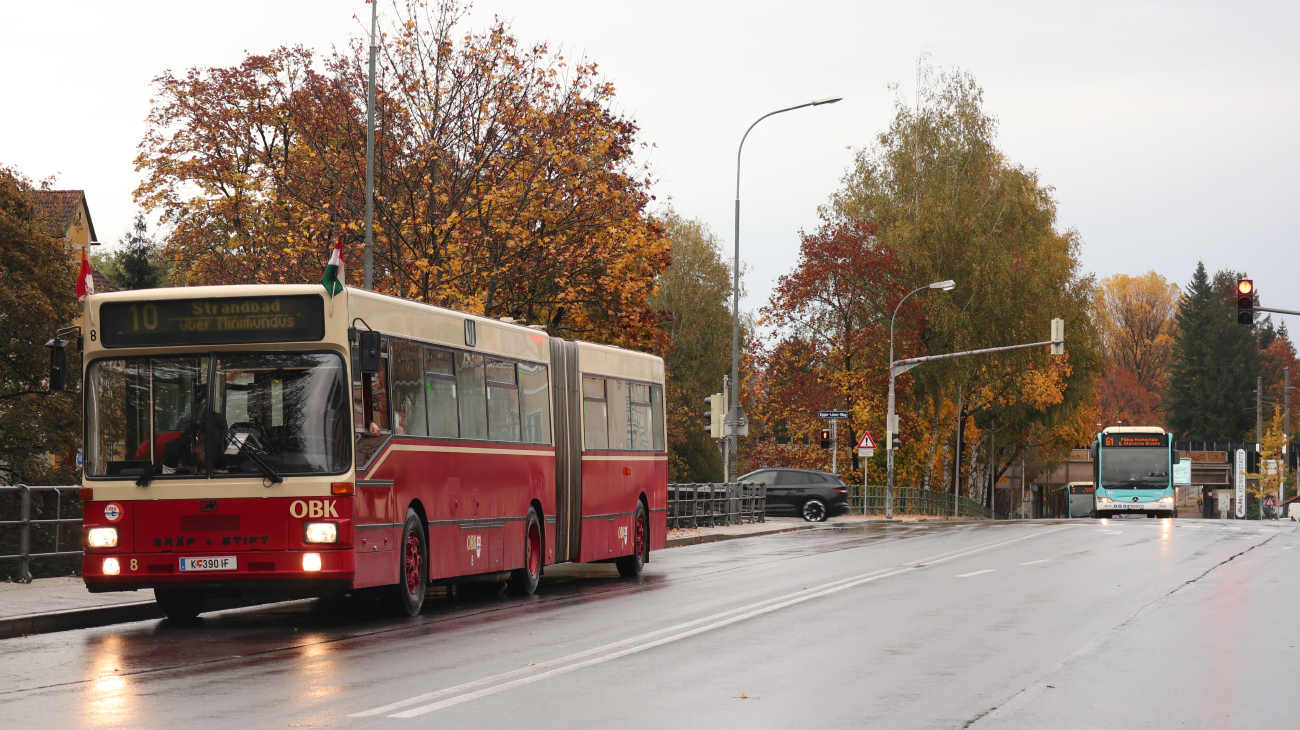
[833, 415]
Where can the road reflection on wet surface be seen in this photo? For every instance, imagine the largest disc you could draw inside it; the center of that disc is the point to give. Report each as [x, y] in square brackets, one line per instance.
[899, 625]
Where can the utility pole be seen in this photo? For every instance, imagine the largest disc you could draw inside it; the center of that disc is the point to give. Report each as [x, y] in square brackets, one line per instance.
[1259, 413]
[835, 443]
[956, 460]
[368, 280]
[1286, 433]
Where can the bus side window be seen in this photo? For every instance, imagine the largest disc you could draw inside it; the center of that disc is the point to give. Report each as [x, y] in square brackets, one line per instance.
[657, 415]
[440, 386]
[408, 387]
[616, 396]
[534, 386]
[472, 395]
[595, 417]
[503, 401]
[639, 419]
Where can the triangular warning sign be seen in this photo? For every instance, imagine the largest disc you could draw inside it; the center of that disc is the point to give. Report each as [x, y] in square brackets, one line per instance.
[867, 442]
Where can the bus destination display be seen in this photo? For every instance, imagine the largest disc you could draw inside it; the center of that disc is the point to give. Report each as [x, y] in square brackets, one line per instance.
[225, 321]
[1135, 439]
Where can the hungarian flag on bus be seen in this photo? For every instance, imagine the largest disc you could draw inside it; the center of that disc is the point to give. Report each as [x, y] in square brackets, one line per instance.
[334, 274]
[85, 281]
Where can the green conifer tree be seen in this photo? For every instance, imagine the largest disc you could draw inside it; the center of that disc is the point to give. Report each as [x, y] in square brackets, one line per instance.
[1211, 394]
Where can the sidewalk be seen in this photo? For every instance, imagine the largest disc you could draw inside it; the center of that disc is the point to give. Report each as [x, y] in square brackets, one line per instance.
[773, 525]
[60, 604]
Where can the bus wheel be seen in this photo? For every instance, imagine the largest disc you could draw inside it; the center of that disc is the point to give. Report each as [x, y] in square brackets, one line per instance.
[407, 597]
[630, 566]
[523, 581]
[179, 604]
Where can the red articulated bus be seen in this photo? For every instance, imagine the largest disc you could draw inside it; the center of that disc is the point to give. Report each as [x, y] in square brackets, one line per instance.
[271, 441]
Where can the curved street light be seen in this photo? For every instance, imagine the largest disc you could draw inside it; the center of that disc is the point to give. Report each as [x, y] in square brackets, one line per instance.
[891, 424]
[735, 416]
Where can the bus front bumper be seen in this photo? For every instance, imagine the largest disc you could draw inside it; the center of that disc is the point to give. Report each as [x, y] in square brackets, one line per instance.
[236, 570]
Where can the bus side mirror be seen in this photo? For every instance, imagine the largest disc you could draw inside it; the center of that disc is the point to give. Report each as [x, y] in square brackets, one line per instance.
[369, 351]
[58, 364]
[1093, 451]
[1177, 456]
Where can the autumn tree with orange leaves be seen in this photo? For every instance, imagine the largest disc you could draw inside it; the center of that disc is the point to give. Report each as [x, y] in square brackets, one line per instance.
[506, 184]
[936, 194]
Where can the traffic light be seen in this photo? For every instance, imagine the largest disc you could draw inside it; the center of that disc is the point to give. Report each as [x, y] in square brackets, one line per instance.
[1245, 301]
[1058, 335]
[716, 414]
[895, 442]
[826, 438]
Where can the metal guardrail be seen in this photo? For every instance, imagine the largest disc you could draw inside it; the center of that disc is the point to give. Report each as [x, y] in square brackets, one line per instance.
[26, 524]
[913, 501]
[715, 504]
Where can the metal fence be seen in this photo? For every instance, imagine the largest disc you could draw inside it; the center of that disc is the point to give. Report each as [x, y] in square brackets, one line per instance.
[38, 522]
[913, 501]
[712, 505]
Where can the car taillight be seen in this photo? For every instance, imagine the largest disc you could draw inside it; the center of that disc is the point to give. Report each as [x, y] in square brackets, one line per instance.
[841, 491]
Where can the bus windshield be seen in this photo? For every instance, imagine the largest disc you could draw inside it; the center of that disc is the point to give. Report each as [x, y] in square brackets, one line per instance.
[1135, 468]
[217, 415]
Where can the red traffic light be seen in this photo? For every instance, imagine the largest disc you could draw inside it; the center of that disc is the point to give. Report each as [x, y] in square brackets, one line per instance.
[1245, 301]
[1245, 286]
[826, 438]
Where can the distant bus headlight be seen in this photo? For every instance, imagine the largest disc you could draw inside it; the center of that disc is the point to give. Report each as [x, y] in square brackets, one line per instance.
[311, 562]
[1167, 500]
[111, 567]
[102, 537]
[321, 532]
[1103, 499]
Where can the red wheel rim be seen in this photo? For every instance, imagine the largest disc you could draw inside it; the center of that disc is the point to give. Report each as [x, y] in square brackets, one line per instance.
[534, 549]
[413, 560]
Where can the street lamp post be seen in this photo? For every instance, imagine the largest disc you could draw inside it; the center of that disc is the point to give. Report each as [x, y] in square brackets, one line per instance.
[891, 425]
[735, 416]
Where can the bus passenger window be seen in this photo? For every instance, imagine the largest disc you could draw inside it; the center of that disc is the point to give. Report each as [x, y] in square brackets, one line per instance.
[408, 388]
[616, 397]
[503, 401]
[472, 396]
[657, 414]
[440, 386]
[534, 388]
[639, 417]
[595, 419]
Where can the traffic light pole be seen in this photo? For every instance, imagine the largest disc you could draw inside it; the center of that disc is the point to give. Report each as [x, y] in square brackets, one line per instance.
[898, 367]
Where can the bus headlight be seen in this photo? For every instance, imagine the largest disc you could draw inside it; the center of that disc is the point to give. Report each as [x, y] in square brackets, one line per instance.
[321, 532]
[1166, 500]
[1103, 499]
[102, 537]
[311, 562]
[111, 567]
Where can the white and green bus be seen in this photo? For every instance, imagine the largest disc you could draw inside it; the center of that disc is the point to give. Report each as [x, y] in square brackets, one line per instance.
[1132, 468]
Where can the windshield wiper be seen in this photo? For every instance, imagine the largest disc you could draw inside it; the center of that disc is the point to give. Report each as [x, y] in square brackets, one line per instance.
[267, 470]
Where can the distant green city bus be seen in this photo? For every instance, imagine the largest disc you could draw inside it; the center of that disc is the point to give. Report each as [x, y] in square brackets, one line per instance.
[1132, 468]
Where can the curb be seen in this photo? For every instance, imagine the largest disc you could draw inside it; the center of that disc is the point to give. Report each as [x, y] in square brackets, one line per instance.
[78, 618]
[719, 537]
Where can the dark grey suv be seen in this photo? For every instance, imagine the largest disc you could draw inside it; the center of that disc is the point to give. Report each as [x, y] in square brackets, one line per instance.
[812, 495]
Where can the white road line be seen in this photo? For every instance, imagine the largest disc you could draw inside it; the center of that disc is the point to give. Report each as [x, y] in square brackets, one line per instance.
[466, 692]
[1034, 562]
[978, 572]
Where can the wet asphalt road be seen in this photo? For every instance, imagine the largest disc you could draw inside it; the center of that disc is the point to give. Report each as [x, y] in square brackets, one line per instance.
[1114, 624]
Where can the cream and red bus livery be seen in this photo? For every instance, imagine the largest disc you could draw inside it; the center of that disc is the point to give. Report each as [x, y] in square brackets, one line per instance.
[270, 439]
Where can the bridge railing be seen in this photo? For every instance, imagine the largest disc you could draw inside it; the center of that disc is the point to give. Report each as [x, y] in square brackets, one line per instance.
[715, 504]
[37, 523]
[913, 501]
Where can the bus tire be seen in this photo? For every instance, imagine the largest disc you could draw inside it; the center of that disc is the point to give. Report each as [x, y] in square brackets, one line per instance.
[630, 566]
[179, 604]
[523, 581]
[407, 597]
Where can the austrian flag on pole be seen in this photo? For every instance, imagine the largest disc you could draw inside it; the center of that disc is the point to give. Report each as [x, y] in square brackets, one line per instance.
[334, 273]
[85, 282]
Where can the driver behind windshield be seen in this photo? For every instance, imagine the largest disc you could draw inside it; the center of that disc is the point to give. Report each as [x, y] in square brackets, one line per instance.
[187, 454]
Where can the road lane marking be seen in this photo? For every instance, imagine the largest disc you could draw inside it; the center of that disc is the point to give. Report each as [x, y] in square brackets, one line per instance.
[978, 572]
[1034, 562]
[516, 678]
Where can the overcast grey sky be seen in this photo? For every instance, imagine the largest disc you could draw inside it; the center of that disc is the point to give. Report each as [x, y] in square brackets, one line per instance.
[1168, 129]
